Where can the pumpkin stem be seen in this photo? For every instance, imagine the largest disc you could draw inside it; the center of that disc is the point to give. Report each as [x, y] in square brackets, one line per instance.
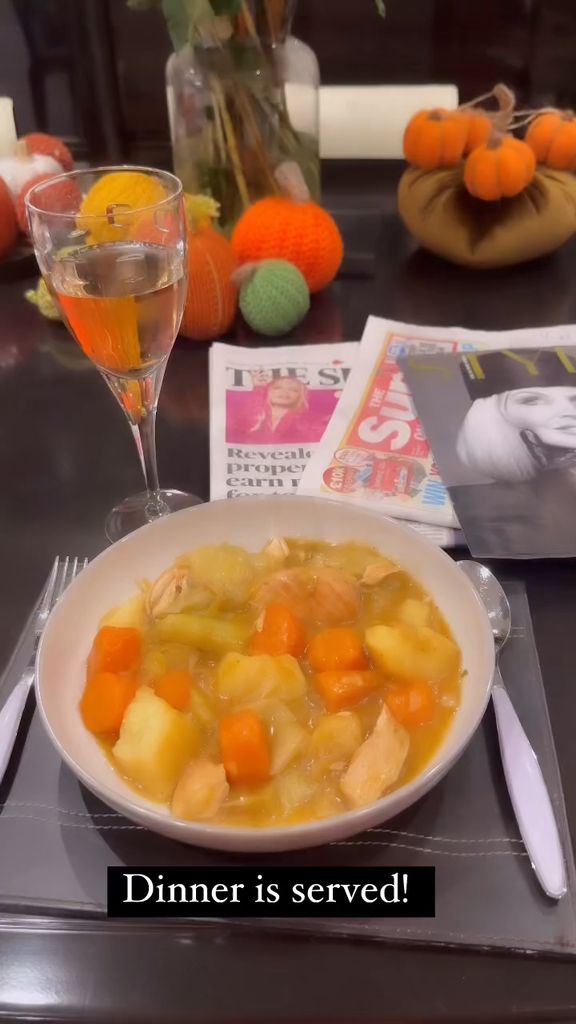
[531, 115]
[506, 100]
[506, 103]
[496, 137]
[291, 181]
[245, 273]
[476, 100]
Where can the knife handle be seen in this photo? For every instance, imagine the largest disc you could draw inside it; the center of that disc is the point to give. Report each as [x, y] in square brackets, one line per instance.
[529, 795]
[10, 718]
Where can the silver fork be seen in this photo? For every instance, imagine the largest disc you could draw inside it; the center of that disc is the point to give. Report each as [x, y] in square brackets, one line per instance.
[63, 572]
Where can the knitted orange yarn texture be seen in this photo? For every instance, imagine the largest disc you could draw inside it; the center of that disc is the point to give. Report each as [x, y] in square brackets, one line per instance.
[302, 233]
[212, 296]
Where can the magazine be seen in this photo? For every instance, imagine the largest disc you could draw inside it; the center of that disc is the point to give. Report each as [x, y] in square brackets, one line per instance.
[502, 425]
[375, 451]
[269, 408]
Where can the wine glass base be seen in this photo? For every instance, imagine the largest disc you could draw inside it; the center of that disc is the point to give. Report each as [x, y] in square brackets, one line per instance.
[141, 509]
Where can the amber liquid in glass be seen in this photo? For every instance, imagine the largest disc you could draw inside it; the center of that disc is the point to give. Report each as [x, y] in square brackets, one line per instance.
[123, 304]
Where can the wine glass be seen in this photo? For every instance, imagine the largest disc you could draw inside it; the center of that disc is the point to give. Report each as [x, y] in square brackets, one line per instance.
[111, 245]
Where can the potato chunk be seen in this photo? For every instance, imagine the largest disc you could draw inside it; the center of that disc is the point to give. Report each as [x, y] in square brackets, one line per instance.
[203, 631]
[200, 791]
[412, 652]
[226, 570]
[413, 612]
[130, 613]
[155, 743]
[377, 763]
[335, 739]
[288, 740]
[249, 677]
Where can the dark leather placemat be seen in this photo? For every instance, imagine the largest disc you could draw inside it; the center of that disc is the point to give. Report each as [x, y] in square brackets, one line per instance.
[56, 839]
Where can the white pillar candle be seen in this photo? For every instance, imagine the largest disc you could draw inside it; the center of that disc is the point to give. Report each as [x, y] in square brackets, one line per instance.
[7, 127]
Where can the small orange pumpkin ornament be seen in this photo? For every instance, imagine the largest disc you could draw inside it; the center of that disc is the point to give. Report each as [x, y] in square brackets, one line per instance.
[293, 228]
[435, 138]
[479, 127]
[212, 296]
[552, 138]
[8, 222]
[503, 167]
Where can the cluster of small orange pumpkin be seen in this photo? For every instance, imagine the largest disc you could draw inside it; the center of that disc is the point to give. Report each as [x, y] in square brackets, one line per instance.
[496, 164]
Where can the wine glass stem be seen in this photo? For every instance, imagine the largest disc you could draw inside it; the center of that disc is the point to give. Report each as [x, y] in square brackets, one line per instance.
[144, 433]
[145, 436]
[139, 400]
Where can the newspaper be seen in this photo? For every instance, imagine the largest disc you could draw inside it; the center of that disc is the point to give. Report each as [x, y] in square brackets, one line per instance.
[374, 451]
[269, 408]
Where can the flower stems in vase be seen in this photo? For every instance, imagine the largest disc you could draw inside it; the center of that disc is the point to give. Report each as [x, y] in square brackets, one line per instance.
[230, 118]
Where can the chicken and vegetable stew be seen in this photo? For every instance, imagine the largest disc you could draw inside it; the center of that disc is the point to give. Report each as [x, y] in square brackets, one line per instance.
[273, 688]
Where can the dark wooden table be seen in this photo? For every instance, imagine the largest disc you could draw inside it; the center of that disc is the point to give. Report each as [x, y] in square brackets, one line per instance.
[66, 457]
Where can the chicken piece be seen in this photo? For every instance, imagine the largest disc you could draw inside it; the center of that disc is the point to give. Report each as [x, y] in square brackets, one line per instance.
[200, 791]
[323, 594]
[169, 586]
[377, 763]
[335, 598]
[376, 572]
[276, 550]
[287, 586]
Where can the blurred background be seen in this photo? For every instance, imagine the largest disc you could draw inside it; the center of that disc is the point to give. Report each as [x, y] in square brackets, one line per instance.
[92, 71]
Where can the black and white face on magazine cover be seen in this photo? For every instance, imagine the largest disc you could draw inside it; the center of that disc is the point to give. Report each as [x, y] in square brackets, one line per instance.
[515, 435]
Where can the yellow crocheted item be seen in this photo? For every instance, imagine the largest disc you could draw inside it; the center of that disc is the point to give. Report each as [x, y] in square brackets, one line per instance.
[42, 299]
[114, 195]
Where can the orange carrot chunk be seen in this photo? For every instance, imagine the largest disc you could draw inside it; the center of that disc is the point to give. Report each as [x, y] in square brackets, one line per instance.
[412, 705]
[244, 748]
[339, 648]
[175, 688]
[281, 633]
[342, 690]
[115, 649]
[104, 701]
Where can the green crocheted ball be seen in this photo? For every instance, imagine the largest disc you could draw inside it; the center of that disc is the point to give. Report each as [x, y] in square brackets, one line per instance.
[274, 298]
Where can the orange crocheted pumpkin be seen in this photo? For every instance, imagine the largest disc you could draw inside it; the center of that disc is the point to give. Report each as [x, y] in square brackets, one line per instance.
[552, 138]
[212, 295]
[292, 228]
[8, 222]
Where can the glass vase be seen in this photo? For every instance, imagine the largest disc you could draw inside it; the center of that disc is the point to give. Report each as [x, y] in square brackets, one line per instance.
[242, 102]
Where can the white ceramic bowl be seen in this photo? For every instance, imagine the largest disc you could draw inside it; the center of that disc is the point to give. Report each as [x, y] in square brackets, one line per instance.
[250, 522]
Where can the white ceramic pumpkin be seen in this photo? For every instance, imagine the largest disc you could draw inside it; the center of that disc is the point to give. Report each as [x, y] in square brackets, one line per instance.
[21, 167]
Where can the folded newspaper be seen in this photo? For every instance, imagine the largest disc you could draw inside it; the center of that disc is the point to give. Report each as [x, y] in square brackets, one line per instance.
[338, 420]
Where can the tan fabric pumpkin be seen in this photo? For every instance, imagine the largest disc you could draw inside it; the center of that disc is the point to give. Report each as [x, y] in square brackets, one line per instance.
[447, 220]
